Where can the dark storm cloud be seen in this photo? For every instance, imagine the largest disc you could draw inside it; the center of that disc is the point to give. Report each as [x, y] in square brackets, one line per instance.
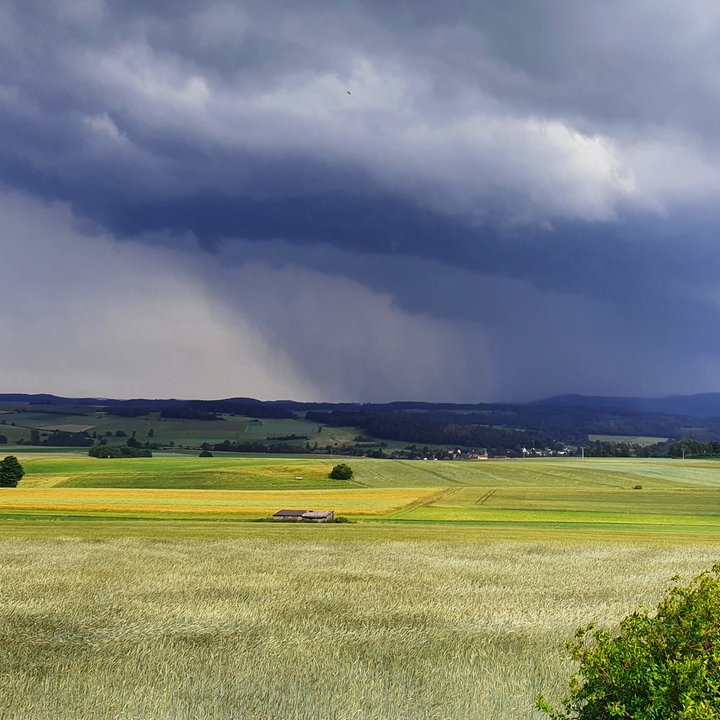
[521, 172]
[504, 112]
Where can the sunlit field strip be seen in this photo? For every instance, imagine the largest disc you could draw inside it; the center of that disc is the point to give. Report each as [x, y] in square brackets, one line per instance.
[521, 517]
[165, 472]
[173, 527]
[700, 501]
[203, 502]
[237, 472]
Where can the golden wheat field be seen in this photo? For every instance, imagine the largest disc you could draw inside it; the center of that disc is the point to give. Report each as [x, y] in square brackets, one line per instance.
[370, 501]
[376, 627]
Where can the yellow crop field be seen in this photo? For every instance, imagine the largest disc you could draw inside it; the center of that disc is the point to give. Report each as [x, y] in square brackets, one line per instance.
[361, 501]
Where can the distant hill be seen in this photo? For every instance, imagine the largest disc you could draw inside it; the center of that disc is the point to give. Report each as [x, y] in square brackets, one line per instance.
[572, 419]
[705, 405]
[702, 405]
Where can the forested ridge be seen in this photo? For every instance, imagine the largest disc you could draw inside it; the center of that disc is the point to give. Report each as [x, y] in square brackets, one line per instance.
[495, 427]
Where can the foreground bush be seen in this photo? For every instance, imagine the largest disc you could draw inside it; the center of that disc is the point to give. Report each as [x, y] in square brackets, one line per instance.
[660, 666]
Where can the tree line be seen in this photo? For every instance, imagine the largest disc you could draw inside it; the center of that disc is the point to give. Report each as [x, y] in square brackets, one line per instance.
[418, 429]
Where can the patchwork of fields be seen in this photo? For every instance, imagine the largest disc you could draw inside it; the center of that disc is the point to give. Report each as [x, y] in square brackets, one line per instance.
[18, 419]
[657, 495]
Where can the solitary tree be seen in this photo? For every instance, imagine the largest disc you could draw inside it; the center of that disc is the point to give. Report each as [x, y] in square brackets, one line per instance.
[341, 472]
[659, 666]
[11, 472]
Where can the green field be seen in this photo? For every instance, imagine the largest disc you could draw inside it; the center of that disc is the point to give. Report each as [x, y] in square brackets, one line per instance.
[174, 472]
[448, 596]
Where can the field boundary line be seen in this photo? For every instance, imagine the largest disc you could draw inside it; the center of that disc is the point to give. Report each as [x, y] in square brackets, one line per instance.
[484, 498]
[427, 500]
[436, 474]
[377, 474]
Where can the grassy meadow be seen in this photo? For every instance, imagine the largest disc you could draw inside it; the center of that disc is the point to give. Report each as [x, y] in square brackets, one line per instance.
[136, 588]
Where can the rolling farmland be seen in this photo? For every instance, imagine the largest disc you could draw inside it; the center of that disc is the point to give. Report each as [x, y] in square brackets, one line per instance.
[653, 495]
[141, 588]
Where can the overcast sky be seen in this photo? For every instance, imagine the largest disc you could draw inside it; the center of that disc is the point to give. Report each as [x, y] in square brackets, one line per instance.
[368, 201]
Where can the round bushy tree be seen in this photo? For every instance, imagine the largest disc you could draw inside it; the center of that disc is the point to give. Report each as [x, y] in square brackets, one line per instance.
[341, 472]
[11, 472]
[659, 665]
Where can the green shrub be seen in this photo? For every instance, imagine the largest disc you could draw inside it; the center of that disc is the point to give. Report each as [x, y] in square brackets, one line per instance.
[11, 472]
[659, 666]
[341, 472]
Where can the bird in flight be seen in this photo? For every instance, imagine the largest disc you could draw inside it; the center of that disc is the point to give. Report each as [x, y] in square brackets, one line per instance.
[348, 92]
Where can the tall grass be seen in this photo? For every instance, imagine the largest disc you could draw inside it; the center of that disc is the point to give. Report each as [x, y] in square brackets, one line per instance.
[272, 628]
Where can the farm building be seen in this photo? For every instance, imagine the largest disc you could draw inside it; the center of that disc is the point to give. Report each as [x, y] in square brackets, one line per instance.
[304, 515]
[319, 515]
